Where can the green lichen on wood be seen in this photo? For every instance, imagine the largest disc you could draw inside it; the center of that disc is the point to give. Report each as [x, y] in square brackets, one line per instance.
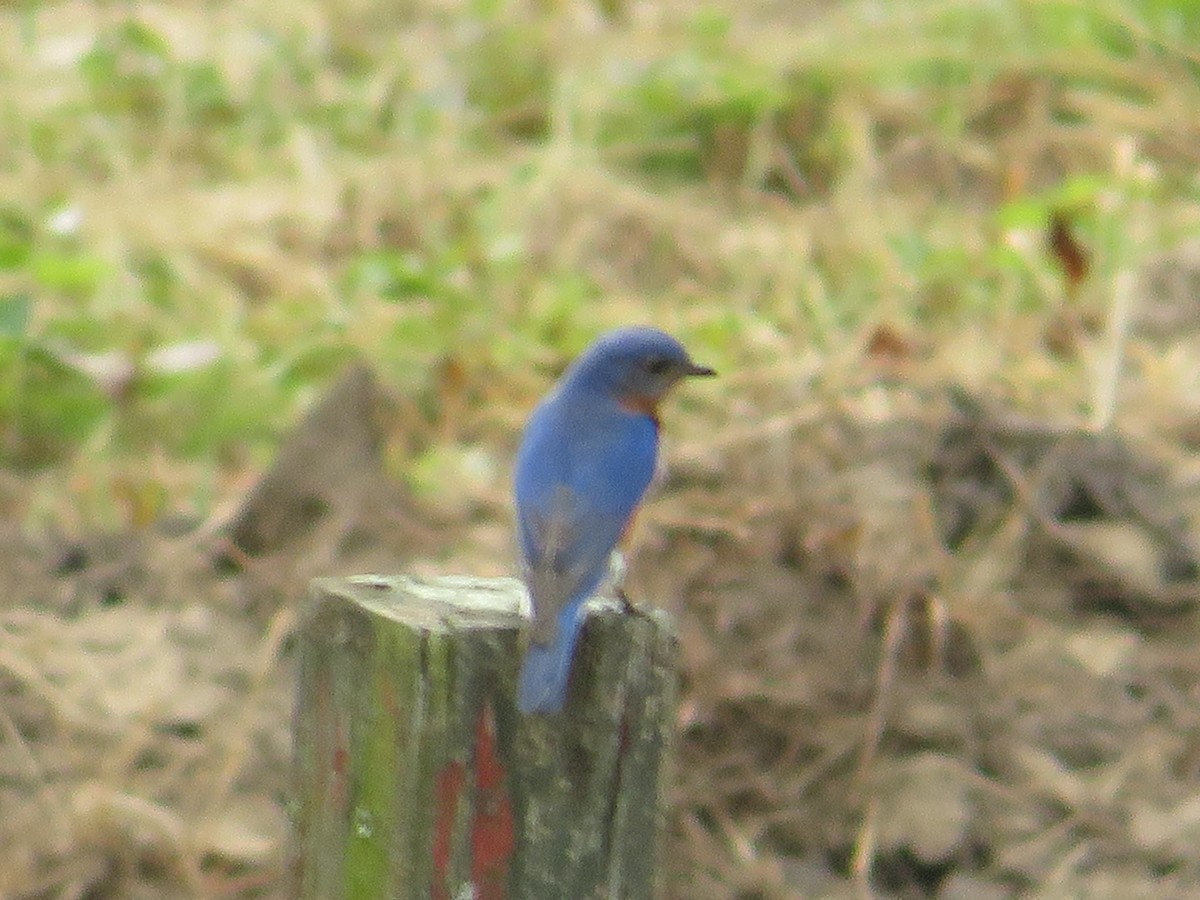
[380, 728]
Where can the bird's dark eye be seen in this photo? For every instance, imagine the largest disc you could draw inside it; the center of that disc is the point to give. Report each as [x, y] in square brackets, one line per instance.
[657, 365]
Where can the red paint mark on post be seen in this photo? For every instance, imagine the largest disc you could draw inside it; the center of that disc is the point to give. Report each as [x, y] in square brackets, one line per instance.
[448, 790]
[493, 833]
[339, 767]
[492, 826]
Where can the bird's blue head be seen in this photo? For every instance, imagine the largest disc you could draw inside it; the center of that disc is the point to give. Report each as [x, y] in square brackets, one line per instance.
[637, 366]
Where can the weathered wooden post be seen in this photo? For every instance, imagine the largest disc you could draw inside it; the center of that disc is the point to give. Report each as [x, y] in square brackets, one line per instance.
[415, 777]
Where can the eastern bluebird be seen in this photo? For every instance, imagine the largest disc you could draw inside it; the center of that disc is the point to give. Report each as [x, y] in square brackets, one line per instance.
[587, 456]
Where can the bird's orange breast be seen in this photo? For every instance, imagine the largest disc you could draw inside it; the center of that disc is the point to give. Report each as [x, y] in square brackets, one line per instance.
[641, 404]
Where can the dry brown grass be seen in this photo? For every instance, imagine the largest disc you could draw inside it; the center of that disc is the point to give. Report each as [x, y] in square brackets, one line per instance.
[842, 205]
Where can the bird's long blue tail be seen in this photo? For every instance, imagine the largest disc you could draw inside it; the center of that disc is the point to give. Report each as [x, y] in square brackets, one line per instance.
[542, 685]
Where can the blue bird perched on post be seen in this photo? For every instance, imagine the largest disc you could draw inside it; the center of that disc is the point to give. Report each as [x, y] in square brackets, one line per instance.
[587, 456]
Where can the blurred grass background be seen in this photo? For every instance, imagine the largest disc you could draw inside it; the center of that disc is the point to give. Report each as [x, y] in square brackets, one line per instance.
[207, 208]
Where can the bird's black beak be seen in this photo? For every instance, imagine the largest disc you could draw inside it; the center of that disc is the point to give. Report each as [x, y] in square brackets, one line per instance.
[695, 371]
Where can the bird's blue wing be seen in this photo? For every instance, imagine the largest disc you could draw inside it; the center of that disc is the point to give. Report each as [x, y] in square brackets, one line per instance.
[580, 476]
[579, 479]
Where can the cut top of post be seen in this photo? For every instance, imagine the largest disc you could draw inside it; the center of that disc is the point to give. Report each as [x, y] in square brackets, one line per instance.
[445, 603]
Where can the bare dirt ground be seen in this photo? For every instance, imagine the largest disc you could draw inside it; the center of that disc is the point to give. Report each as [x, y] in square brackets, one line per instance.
[931, 648]
[938, 638]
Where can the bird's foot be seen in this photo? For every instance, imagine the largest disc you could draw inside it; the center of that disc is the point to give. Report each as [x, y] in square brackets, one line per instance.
[628, 606]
